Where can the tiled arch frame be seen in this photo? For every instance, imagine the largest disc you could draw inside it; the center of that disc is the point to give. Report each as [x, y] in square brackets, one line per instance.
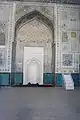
[27, 17]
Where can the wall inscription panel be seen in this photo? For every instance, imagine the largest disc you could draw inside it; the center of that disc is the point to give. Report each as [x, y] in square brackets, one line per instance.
[67, 60]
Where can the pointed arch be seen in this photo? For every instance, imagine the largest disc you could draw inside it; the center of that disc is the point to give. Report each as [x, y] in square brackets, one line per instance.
[19, 23]
[34, 14]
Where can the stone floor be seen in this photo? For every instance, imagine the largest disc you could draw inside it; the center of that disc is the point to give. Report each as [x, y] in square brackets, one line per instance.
[39, 104]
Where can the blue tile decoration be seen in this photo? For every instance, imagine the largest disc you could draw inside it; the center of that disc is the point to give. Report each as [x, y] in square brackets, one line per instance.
[48, 78]
[59, 79]
[4, 79]
[76, 79]
[18, 78]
